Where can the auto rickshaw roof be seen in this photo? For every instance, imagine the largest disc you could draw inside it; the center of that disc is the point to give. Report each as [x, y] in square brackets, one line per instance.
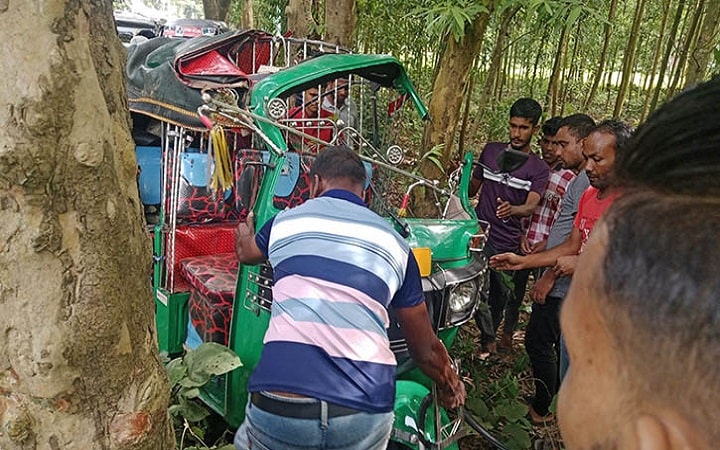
[385, 70]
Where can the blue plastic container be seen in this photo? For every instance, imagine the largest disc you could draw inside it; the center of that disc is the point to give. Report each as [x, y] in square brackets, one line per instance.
[149, 160]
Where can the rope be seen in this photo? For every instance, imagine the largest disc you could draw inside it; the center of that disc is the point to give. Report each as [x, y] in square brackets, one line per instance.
[222, 175]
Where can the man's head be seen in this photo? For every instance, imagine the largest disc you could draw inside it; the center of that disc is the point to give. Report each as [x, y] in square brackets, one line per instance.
[547, 140]
[642, 327]
[524, 116]
[338, 91]
[310, 102]
[604, 143]
[337, 167]
[569, 139]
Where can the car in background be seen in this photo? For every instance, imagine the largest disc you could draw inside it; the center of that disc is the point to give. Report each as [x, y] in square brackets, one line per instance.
[194, 27]
[130, 25]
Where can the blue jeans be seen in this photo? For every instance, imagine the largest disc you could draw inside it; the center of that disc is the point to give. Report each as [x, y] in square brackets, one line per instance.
[265, 431]
[564, 359]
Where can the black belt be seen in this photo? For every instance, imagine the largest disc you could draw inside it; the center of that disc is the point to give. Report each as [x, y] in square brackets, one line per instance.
[304, 410]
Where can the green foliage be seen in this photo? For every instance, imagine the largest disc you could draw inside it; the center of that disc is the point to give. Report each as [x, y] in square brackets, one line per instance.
[450, 17]
[498, 409]
[187, 375]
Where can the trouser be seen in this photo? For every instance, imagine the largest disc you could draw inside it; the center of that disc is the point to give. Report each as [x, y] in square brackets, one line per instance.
[278, 430]
[488, 319]
[512, 309]
[564, 359]
[541, 342]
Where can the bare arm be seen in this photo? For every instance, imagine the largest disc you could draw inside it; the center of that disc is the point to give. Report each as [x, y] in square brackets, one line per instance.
[548, 258]
[430, 354]
[474, 186]
[505, 209]
[245, 246]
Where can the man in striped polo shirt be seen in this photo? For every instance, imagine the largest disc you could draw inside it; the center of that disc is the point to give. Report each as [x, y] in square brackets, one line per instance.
[326, 376]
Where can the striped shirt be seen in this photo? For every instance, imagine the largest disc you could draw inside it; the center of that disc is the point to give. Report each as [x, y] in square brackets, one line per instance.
[548, 208]
[337, 268]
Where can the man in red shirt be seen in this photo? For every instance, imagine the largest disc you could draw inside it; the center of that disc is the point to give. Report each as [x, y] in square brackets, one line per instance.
[308, 118]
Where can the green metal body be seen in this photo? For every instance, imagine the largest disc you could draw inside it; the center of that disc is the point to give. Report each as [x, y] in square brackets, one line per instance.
[448, 239]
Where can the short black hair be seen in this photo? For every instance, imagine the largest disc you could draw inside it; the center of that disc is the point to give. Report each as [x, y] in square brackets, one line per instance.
[677, 150]
[339, 162]
[620, 130]
[526, 108]
[660, 300]
[579, 125]
[551, 126]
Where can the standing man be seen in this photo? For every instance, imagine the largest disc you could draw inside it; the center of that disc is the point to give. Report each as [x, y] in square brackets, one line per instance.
[538, 226]
[543, 333]
[504, 199]
[326, 376]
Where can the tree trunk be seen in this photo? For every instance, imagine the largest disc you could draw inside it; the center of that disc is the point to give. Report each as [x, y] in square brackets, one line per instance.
[608, 27]
[78, 351]
[552, 92]
[247, 21]
[300, 21]
[216, 9]
[666, 56]
[629, 58]
[700, 57]
[689, 38]
[656, 58]
[340, 20]
[454, 65]
[495, 65]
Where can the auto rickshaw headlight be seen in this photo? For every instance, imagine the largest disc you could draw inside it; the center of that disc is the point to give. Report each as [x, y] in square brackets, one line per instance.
[462, 302]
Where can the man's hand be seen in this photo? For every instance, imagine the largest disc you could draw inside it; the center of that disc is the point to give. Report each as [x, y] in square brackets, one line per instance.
[507, 261]
[246, 228]
[565, 265]
[539, 247]
[452, 396]
[525, 246]
[504, 209]
[542, 287]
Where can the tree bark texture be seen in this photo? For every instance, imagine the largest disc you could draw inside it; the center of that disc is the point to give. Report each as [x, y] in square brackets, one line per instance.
[216, 9]
[248, 17]
[79, 368]
[340, 21]
[300, 21]
[655, 60]
[700, 57]
[629, 59]
[447, 94]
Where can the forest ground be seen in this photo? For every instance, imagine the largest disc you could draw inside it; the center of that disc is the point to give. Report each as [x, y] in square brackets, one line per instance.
[482, 369]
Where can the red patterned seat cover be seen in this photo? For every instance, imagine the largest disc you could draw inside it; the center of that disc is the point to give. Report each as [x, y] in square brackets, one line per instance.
[212, 281]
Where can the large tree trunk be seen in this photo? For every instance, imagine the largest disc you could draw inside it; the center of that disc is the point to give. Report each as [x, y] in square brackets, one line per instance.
[340, 20]
[608, 27]
[248, 18]
[216, 9]
[300, 21]
[454, 66]
[493, 71]
[79, 368]
[700, 57]
[629, 59]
